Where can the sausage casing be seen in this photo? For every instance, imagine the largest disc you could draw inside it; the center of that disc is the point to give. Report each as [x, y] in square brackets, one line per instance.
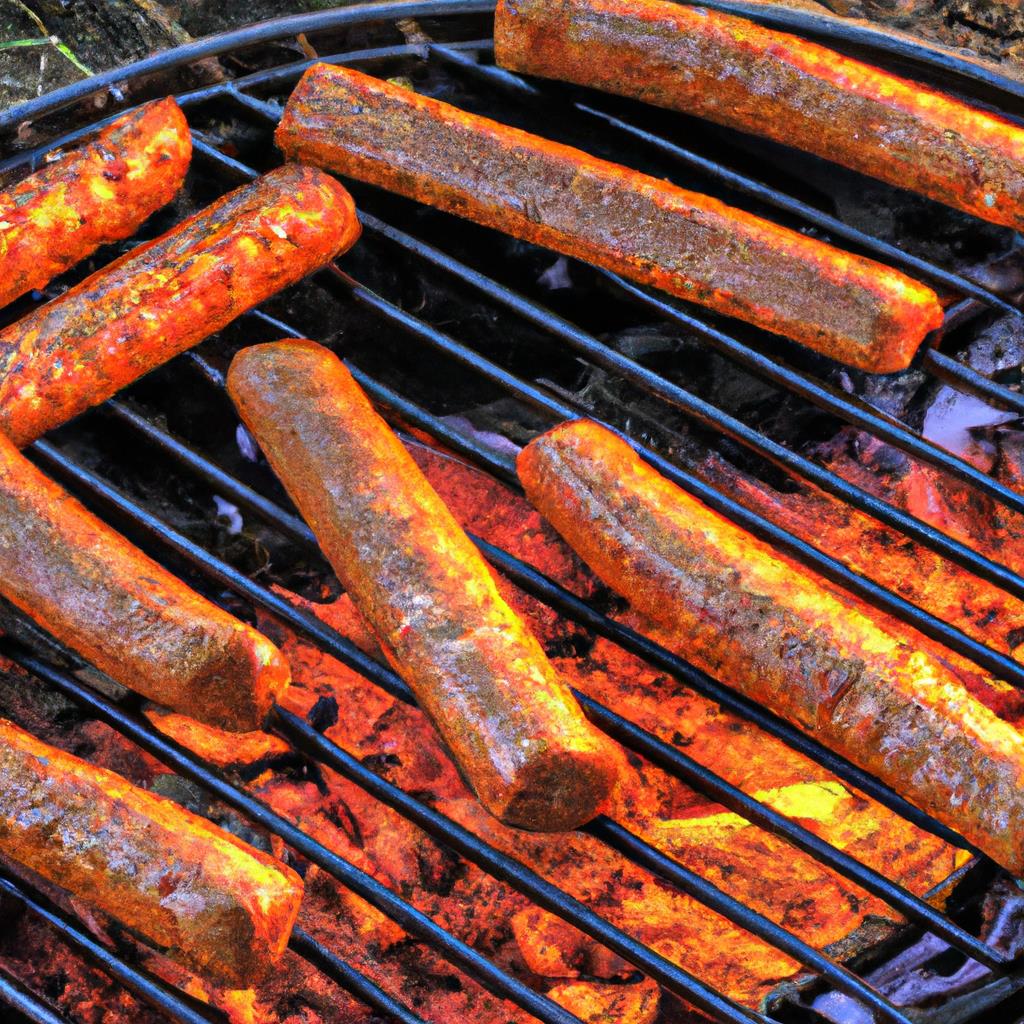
[509, 720]
[104, 598]
[186, 886]
[167, 295]
[738, 73]
[737, 610]
[98, 193]
[693, 246]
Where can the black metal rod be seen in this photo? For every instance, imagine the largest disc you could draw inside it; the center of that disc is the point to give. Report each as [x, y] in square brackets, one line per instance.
[156, 993]
[282, 74]
[507, 81]
[671, 760]
[526, 881]
[637, 849]
[668, 974]
[347, 977]
[565, 603]
[966, 379]
[820, 395]
[29, 1005]
[886, 428]
[235, 39]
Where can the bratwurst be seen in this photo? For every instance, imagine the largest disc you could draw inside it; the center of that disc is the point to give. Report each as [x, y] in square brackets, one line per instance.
[196, 892]
[733, 607]
[140, 624]
[690, 245]
[509, 720]
[90, 196]
[167, 295]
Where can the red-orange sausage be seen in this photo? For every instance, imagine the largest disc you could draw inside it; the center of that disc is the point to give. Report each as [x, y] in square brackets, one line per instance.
[196, 892]
[690, 245]
[104, 598]
[731, 605]
[167, 295]
[508, 719]
[769, 83]
[93, 195]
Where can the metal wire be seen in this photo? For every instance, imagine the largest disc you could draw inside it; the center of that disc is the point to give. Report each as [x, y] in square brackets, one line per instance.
[150, 990]
[518, 875]
[237, 39]
[1001, 665]
[30, 1006]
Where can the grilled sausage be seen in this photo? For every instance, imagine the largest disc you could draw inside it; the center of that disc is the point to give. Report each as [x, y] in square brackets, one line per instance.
[508, 719]
[690, 245]
[104, 598]
[93, 195]
[193, 890]
[167, 295]
[737, 73]
[783, 637]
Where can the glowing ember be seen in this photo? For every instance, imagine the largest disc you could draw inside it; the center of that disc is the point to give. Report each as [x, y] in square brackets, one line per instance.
[396, 741]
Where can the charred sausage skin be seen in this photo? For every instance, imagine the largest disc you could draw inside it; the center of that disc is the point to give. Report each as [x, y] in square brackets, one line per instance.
[735, 72]
[509, 720]
[104, 598]
[167, 295]
[736, 609]
[98, 193]
[692, 246]
[210, 901]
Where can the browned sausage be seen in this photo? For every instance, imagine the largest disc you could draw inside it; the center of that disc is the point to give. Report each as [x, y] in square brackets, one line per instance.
[167, 295]
[191, 889]
[93, 195]
[105, 599]
[769, 83]
[507, 717]
[785, 638]
[690, 245]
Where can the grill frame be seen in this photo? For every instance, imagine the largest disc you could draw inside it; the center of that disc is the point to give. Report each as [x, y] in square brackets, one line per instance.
[674, 761]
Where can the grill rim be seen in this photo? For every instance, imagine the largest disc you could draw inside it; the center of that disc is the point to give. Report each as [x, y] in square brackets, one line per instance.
[462, 8]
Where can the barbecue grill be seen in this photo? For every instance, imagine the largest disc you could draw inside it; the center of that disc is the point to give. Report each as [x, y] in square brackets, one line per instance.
[418, 369]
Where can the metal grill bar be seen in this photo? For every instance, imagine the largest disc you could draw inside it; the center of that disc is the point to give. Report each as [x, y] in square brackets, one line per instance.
[549, 896]
[522, 878]
[342, 972]
[236, 39]
[448, 831]
[659, 752]
[178, 1006]
[708, 415]
[31, 1007]
[149, 989]
[1001, 665]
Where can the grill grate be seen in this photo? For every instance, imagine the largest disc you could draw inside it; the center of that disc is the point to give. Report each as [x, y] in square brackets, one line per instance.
[461, 60]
